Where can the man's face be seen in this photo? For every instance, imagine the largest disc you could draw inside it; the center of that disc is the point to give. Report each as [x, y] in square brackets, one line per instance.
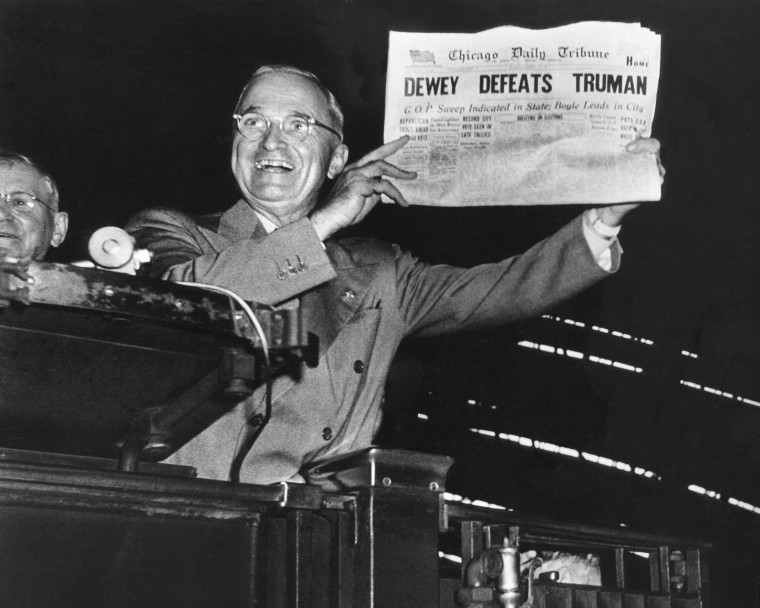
[27, 233]
[278, 178]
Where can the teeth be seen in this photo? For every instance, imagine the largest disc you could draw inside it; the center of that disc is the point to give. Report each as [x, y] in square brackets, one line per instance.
[263, 165]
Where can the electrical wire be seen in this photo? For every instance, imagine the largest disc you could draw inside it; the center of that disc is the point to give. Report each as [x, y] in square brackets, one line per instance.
[243, 305]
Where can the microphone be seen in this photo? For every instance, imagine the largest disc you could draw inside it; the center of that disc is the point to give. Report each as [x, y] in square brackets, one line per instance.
[113, 249]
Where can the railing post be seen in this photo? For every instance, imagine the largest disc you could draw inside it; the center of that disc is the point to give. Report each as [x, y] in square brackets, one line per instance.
[398, 507]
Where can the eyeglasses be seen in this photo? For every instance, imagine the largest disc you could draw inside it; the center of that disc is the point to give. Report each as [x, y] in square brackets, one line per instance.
[294, 128]
[23, 203]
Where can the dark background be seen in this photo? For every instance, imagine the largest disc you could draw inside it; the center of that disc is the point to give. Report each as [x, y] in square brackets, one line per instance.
[129, 103]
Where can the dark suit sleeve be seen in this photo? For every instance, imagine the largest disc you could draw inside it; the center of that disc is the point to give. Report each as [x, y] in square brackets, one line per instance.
[267, 269]
[439, 299]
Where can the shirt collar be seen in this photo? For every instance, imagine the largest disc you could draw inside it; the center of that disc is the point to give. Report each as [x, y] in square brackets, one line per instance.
[266, 223]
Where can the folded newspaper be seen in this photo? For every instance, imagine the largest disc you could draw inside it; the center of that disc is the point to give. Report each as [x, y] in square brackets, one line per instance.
[514, 116]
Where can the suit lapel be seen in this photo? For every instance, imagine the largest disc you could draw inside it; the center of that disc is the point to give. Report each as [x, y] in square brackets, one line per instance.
[237, 223]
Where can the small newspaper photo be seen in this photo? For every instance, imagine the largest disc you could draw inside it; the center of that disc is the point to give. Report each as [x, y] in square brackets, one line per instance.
[514, 116]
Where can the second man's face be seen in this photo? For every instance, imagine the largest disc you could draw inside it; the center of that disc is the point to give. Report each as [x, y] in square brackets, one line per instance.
[27, 232]
[279, 178]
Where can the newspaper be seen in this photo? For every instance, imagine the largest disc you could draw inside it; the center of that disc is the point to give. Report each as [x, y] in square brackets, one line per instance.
[514, 116]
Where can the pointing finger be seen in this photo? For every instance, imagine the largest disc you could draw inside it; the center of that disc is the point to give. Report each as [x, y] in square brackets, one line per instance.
[383, 151]
[382, 168]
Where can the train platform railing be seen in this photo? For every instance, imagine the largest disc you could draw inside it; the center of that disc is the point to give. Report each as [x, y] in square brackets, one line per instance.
[367, 531]
[405, 532]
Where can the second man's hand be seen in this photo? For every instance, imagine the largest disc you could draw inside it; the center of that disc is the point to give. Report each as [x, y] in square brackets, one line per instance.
[359, 188]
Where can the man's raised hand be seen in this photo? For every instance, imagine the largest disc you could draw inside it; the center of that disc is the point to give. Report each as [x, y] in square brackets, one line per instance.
[612, 215]
[359, 188]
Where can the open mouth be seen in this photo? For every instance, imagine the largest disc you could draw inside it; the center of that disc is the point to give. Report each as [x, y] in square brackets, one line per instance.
[273, 166]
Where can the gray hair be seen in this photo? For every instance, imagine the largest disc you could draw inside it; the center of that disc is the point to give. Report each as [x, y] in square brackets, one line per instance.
[11, 157]
[333, 107]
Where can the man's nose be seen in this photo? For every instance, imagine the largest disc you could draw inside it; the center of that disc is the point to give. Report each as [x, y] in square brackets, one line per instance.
[273, 137]
[5, 208]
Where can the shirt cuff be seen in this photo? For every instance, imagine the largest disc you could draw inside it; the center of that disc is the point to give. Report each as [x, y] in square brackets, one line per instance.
[599, 244]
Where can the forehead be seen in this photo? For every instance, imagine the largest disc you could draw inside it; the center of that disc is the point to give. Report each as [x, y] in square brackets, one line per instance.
[18, 176]
[282, 94]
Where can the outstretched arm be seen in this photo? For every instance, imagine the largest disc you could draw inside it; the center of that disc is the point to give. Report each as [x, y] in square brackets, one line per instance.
[266, 269]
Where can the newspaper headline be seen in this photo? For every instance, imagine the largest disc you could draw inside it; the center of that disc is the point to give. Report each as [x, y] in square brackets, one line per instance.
[514, 116]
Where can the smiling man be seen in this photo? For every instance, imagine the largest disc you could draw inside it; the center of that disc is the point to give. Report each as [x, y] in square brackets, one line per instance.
[280, 170]
[360, 297]
[29, 218]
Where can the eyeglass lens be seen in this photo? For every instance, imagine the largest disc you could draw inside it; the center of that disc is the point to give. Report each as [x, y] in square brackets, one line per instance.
[22, 203]
[293, 128]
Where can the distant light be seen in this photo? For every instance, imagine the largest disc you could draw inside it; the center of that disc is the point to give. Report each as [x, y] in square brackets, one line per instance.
[718, 392]
[574, 354]
[487, 505]
[576, 323]
[691, 384]
[548, 447]
[556, 449]
[601, 330]
[640, 554]
[744, 505]
[565, 451]
[700, 490]
[608, 462]
[422, 416]
[471, 402]
[595, 359]
[448, 556]
[449, 497]
[625, 366]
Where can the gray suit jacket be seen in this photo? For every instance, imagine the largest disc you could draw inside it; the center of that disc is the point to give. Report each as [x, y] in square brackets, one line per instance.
[361, 297]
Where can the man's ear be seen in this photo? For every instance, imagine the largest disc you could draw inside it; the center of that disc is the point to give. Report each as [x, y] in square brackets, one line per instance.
[60, 228]
[338, 160]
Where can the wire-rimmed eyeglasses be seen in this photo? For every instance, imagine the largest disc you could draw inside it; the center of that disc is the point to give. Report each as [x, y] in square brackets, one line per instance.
[294, 128]
[23, 203]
